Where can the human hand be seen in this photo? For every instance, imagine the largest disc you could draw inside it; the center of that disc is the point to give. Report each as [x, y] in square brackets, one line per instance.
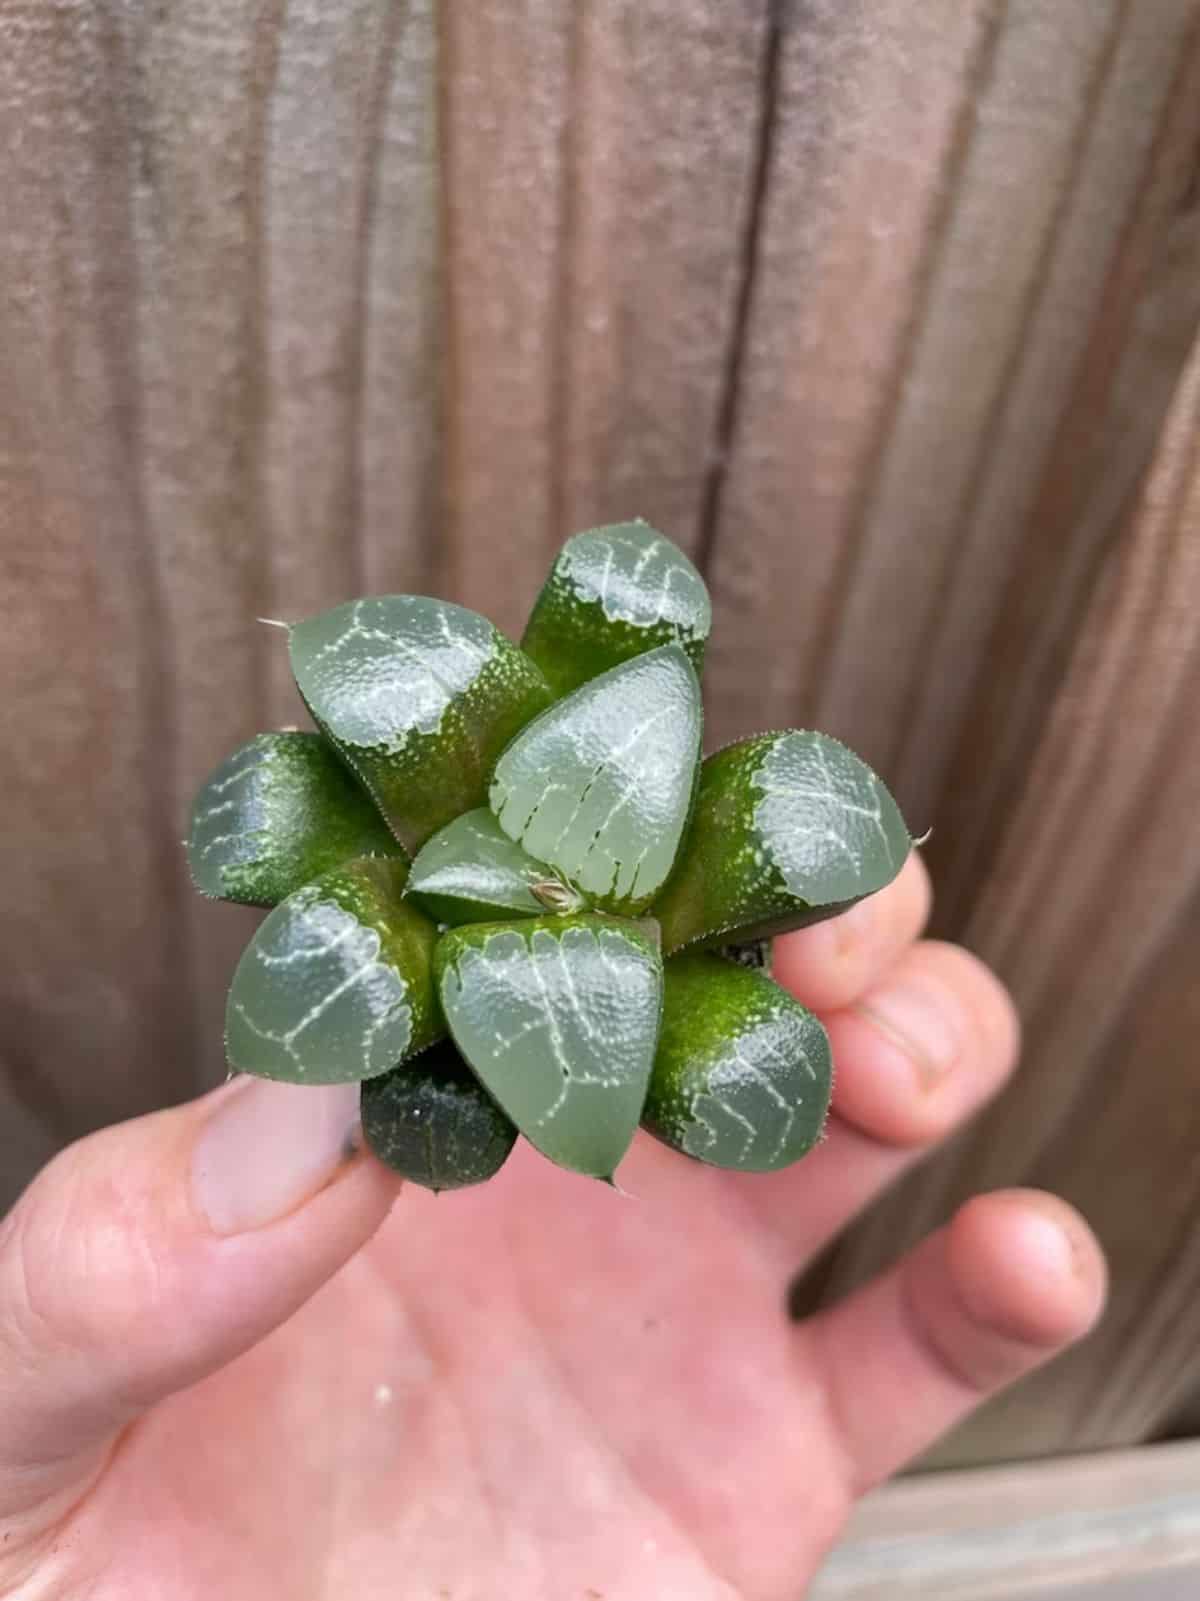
[229, 1366]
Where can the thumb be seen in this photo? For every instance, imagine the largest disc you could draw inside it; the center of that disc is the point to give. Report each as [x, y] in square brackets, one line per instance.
[150, 1254]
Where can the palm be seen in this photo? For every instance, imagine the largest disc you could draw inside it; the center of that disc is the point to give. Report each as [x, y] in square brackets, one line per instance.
[535, 1389]
[539, 1388]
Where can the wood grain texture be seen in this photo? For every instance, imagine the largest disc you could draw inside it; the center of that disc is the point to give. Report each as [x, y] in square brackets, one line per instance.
[202, 425]
[1091, 913]
[878, 309]
[1114, 1526]
[596, 214]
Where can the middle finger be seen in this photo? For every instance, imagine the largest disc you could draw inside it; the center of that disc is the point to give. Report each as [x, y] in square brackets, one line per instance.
[918, 1053]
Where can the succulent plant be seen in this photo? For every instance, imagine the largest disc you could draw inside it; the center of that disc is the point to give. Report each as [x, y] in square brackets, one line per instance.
[509, 897]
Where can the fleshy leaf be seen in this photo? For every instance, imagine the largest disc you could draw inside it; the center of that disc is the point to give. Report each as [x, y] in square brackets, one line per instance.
[337, 983]
[600, 785]
[743, 1073]
[471, 872]
[280, 811]
[613, 593]
[558, 1016]
[419, 696]
[788, 829]
[431, 1120]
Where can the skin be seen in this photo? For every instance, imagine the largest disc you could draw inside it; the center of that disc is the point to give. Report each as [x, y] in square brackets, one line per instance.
[541, 1388]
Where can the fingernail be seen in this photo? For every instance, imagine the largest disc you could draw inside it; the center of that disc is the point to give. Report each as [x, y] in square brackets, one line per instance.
[1052, 1237]
[267, 1148]
[923, 1022]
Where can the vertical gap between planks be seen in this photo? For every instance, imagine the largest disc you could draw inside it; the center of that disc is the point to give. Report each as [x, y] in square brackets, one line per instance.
[974, 87]
[1029, 706]
[395, 14]
[267, 48]
[159, 679]
[443, 575]
[907, 724]
[568, 203]
[726, 418]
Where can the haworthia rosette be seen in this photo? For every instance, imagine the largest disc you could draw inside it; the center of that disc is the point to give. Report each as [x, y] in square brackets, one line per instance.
[600, 785]
[788, 829]
[336, 985]
[743, 1073]
[559, 1019]
[431, 1120]
[419, 696]
[280, 811]
[471, 872]
[613, 593]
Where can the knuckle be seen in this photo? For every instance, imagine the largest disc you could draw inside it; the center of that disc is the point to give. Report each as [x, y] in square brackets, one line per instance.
[87, 1274]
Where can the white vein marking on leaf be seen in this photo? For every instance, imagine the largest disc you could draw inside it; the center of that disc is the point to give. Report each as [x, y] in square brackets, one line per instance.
[637, 868]
[757, 1073]
[311, 953]
[461, 642]
[647, 555]
[822, 832]
[252, 764]
[768, 1045]
[307, 953]
[267, 1034]
[334, 994]
[585, 1022]
[826, 795]
[509, 795]
[751, 1134]
[661, 603]
[216, 811]
[474, 831]
[583, 795]
[360, 630]
[502, 1045]
[608, 561]
[610, 966]
[556, 1044]
[751, 1131]
[698, 1116]
[223, 839]
[631, 784]
[834, 796]
[370, 1039]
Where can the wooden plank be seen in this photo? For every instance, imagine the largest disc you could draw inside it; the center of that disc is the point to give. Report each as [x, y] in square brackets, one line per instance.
[979, 281]
[92, 945]
[1116, 1526]
[592, 289]
[870, 118]
[1092, 911]
[946, 232]
[224, 320]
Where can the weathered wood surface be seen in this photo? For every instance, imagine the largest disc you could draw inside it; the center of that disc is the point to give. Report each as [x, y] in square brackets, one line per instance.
[882, 310]
[1111, 1526]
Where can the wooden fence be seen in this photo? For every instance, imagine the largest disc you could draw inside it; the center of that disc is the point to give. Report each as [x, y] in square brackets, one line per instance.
[886, 310]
